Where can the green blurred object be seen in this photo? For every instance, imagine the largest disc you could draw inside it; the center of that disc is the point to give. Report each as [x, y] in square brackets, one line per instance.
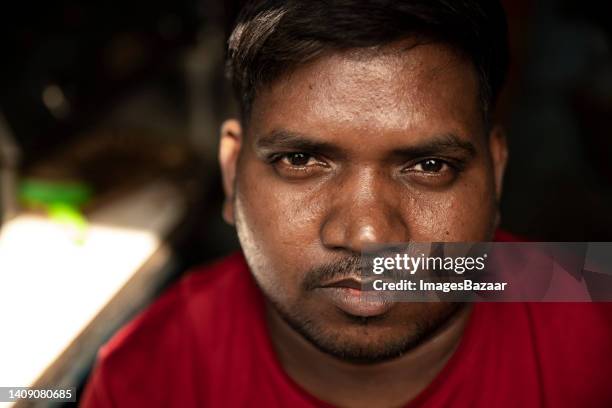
[41, 192]
[63, 202]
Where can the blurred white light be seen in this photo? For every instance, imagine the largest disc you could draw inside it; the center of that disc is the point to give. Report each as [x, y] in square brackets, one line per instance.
[52, 287]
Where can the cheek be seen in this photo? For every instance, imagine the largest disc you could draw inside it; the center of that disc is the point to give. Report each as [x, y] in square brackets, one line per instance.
[277, 226]
[464, 213]
[285, 216]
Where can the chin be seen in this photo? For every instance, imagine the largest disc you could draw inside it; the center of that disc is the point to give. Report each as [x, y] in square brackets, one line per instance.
[365, 342]
[375, 339]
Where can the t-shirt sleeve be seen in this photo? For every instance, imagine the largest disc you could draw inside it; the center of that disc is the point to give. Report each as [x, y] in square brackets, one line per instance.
[96, 393]
[139, 361]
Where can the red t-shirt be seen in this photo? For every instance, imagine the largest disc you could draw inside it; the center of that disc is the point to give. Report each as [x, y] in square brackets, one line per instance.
[204, 343]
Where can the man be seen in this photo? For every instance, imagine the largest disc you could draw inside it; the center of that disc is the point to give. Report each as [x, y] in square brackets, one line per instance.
[362, 122]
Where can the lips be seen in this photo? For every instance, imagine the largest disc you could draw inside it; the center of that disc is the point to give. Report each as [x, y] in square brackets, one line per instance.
[346, 283]
[348, 296]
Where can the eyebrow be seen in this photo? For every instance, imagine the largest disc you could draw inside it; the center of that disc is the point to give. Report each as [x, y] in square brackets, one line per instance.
[284, 139]
[448, 143]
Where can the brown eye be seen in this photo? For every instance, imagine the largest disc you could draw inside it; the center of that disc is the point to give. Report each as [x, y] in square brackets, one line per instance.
[297, 159]
[298, 165]
[430, 166]
[433, 172]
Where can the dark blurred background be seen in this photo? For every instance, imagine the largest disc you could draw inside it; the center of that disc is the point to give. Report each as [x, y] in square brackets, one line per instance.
[557, 108]
[113, 96]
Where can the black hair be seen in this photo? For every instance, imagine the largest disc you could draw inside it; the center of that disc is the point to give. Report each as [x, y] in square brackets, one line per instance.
[271, 37]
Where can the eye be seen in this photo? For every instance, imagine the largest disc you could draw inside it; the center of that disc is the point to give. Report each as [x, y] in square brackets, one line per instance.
[433, 172]
[297, 159]
[431, 166]
[298, 165]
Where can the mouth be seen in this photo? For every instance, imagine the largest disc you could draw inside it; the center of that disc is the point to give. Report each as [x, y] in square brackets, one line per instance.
[350, 296]
[349, 283]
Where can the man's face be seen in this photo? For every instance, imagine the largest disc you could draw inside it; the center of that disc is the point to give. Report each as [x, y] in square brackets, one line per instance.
[357, 148]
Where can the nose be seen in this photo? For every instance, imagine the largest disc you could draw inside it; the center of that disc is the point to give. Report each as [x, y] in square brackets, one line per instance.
[365, 209]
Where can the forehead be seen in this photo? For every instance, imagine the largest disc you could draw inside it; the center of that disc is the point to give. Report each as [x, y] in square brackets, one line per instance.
[400, 89]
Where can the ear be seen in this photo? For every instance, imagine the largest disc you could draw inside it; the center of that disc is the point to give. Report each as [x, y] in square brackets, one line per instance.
[229, 149]
[498, 149]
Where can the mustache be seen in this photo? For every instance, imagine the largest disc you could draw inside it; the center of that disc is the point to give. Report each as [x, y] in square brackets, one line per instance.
[360, 266]
[344, 268]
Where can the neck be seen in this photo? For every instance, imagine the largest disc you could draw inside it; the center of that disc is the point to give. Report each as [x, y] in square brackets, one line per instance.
[391, 384]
